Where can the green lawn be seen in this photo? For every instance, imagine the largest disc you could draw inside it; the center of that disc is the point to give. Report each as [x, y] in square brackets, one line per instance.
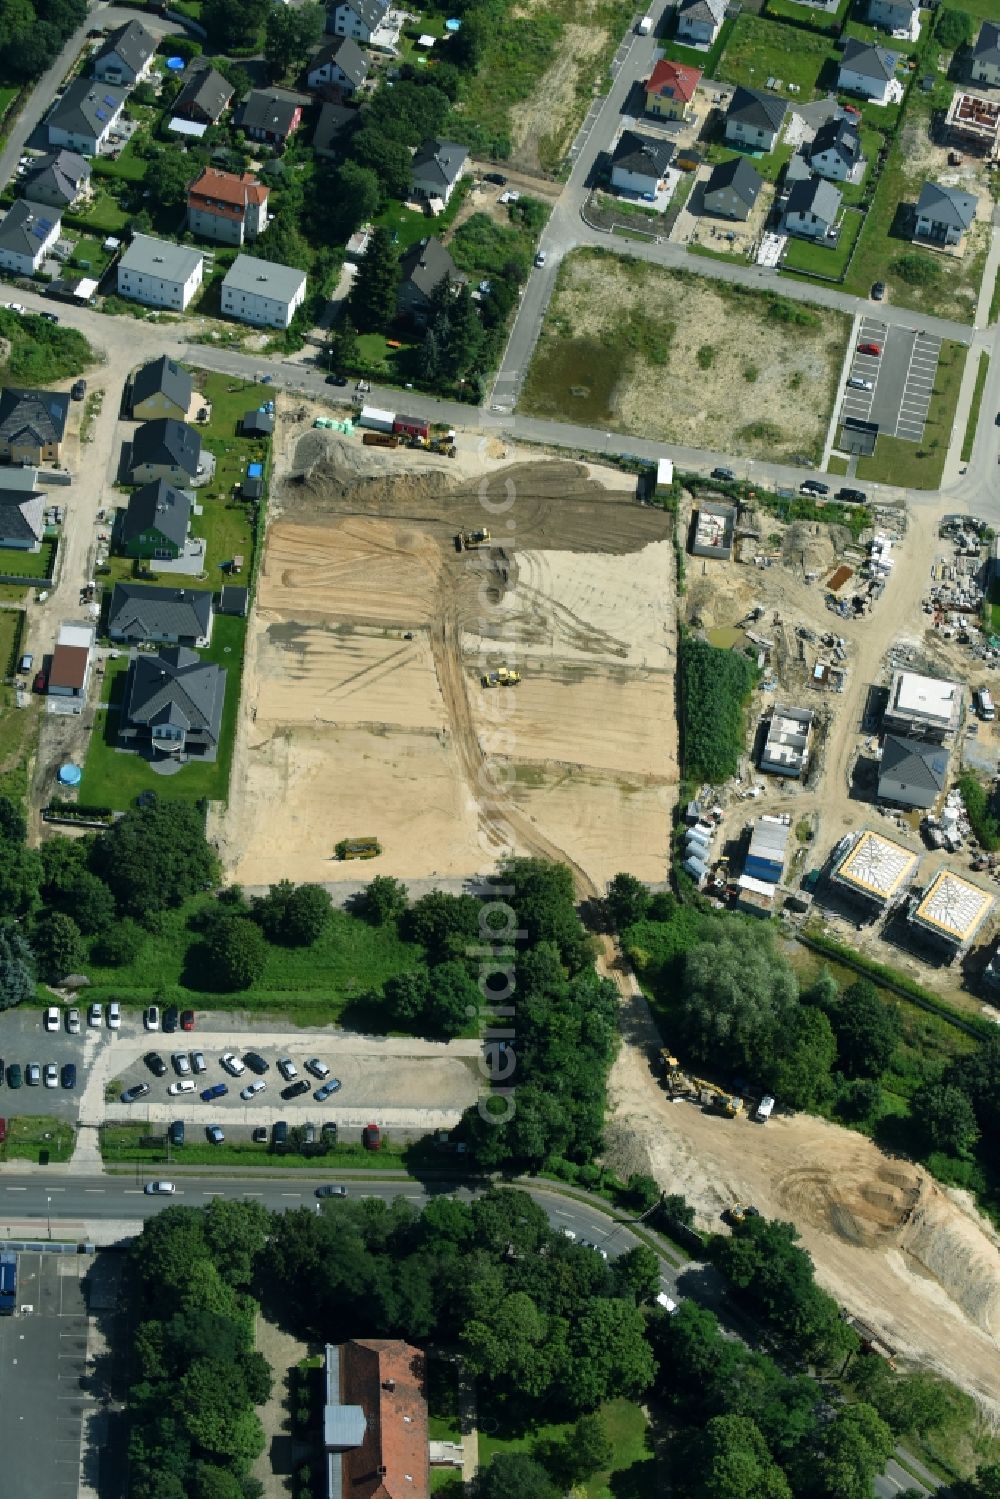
[7, 97]
[90, 255]
[103, 214]
[29, 564]
[10, 636]
[837, 466]
[913, 465]
[33, 1136]
[310, 984]
[759, 49]
[125, 1142]
[922, 279]
[977, 401]
[131, 167]
[805, 15]
[409, 226]
[817, 259]
[634, 1471]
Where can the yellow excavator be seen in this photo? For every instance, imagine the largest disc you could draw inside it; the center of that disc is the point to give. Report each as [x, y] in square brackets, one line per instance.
[681, 1084]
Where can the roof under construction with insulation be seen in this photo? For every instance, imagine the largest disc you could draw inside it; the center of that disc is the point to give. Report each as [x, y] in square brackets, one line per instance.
[952, 909]
[876, 867]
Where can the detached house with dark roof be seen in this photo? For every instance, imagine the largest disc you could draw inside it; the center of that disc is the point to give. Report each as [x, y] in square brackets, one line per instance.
[160, 388]
[375, 1423]
[227, 208]
[339, 65]
[943, 214]
[22, 519]
[732, 190]
[867, 71]
[167, 616]
[172, 705]
[812, 208]
[165, 449]
[59, 179]
[126, 55]
[639, 163]
[359, 19]
[205, 97]
[670, 88]
[154, 525]
[436, 168]
[83, 119]
[27, 233]
[911, 773]
[424, 266]
[700, 21]
[270, 115]
[986, 55]
[835, 152]
[32, 425]
[754, 119]
[895, 15]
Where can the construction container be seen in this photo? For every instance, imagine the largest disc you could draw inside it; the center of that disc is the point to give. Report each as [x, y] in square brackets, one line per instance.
[376, 419]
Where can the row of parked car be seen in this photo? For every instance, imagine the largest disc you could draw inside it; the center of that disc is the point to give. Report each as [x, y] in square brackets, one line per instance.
[54, 1018]
[38, 1072]
[188, 1064]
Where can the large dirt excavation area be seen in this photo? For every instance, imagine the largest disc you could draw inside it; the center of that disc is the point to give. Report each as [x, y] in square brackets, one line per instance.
[363, 709]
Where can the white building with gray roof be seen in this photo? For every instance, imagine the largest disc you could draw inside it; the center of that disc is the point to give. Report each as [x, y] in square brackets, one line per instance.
[159, 273]
[83, 119]
[943, 214]
[27, 234]
[262, 292]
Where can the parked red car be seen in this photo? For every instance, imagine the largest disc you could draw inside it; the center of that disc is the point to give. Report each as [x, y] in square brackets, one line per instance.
[40, 682]
[875, 349]
[187, 1020]
[3, 1130]
[371, 1136]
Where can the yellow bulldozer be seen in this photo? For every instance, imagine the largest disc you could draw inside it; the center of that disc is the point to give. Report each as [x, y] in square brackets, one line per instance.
[504, 676]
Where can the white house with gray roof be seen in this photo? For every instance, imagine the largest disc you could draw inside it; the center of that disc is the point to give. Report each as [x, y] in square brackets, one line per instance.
[436, 168]
[943, 214]
[27, 234]
[359, 19]
[812, 208]
[339, 64]
[640, 162]
[126, 55]
[83, 119]
[754, 119]
[159, 273]
[262, 292]
[172, 704]
[835, 152]
[867, 70]
[22, 519]
[895, 15]
[58, 179]
[732, 189]
[986, 55]
[168, 616]
[700, 21]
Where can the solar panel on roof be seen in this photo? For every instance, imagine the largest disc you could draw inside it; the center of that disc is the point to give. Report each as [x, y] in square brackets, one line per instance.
[110, 99]
[101, 114]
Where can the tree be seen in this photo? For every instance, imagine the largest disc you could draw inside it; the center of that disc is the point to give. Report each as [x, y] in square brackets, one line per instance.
[256, 1374]
[800, 1074]
[237, 953]
[294, 915]
[290, 35]
[444, 925]
[637, 1274]
[513, 1475]
[235, 1233]
[13, 825]
[372, 300]
[867, 1030]
[389, 160]
[609, 1354]
[344, 352]
[862, 1101]
[739, 998]
[857, 1445]
[20, 878]
[233, 23]
[17, 975]
[355, 197]
[584, 1451]
[155, 857]
[211, 1482]
[58, 946]
[945, 1118]
[89, 901]
[383, 901]
[120, 944]
[953, 29]
[729, 1460]
[627, 901]
[985, 1485]
[171, 177]
[463, 334]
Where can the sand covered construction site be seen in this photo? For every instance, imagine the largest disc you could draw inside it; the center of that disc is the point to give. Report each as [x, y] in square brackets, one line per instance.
[911, 1258]
[363, 713]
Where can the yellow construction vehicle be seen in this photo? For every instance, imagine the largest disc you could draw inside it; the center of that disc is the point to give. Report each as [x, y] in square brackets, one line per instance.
[468, 541]
[502, 677]
[708, 1094]
[358, 848]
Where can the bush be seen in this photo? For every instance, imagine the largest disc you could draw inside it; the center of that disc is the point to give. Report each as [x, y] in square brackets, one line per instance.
[953, 29]
[981, 815]
[715, 686]
[916, 270]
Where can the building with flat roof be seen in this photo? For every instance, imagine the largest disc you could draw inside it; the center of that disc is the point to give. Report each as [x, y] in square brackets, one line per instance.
[786, 749]
[923, 707]
[875, 869]
[951, 910]
[765, 858]
[69, 672]
[714, 525]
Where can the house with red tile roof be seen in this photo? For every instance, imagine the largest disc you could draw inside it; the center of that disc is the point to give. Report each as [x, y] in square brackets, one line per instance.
[375, 1429]
[227, 208]
[670, 88]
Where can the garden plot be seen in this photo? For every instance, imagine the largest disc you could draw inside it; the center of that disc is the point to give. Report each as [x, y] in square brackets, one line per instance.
[746, 372]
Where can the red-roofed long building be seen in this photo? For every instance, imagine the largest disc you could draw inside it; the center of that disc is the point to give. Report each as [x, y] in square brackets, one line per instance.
[375, 1421]
[670, 88]
[227, 208]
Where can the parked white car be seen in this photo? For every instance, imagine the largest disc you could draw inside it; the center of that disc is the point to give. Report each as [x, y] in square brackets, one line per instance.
[51, 1018]
[233, 1064]
[114, 1015]
[184, 1085]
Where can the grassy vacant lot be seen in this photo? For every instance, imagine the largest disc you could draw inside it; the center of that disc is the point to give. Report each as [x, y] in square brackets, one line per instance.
[914, 465]
[748, 372]
[41, 352]
[311, 984]
[32, 1137]
[759, 49]
[144, 1142]
[922, 279]
[817, 260]
[634, 1471]
[969, 440]
[10, 635]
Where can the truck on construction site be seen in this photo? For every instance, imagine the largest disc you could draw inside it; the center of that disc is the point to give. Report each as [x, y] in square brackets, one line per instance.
[8, 1282]
[681, 1084]
[504, 676]
[358, 848]
[468, 541]
[380, 440]
[435, 442]
[376, 419]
